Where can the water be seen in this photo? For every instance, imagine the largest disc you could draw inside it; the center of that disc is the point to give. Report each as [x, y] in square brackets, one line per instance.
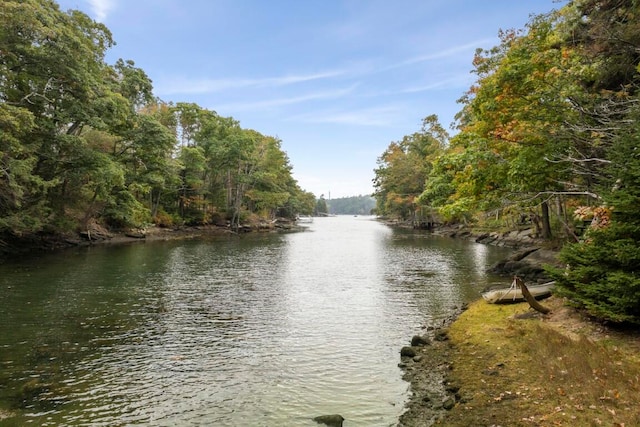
[260, 330]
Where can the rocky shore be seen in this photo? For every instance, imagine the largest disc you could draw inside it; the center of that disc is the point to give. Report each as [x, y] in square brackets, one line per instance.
[529, 257]
[427, 360]
[12, 246]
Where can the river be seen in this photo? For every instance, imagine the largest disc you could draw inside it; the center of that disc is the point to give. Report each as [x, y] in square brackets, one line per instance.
[254, 330]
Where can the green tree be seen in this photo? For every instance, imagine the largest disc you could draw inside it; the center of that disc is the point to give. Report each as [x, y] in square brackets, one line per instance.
[514, 112]
[321, 208]
[602, 272]
[52, 66]
[403, 169]
[84, 141]
[18, 183]
[271, 187]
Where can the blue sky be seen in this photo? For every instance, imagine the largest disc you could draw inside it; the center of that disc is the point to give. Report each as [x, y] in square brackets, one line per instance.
[335, 80]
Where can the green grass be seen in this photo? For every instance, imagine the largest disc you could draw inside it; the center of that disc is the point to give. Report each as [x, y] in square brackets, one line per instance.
[533, 372]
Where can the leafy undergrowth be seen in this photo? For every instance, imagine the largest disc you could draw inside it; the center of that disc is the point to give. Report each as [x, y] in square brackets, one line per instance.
[517, 368]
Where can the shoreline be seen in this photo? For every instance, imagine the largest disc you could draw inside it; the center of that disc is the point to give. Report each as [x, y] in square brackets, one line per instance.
[425, 364]
[98, 236]
[506, 364]
[427, 367]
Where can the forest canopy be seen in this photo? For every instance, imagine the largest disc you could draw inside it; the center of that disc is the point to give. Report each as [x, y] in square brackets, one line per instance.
[86, 142]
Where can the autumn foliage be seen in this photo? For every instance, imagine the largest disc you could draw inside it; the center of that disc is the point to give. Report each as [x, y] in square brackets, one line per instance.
[547, 134]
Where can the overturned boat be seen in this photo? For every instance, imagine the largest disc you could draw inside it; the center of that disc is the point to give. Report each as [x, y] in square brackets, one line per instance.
[513, 293]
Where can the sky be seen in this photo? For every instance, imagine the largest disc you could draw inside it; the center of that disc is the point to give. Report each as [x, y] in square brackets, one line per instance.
[335, 80]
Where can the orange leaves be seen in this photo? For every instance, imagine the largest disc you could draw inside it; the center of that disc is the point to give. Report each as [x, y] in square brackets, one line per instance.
[600, 216]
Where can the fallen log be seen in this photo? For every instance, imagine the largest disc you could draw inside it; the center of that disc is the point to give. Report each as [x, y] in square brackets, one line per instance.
[533, 303]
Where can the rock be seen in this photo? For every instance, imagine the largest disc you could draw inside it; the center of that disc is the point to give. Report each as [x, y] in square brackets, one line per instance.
[441, 335]
[408, 352]
[334, 420]
[452, 388]
[136, 234]
[448, 403]
[544, 256]
[521, 254]
[418, 341]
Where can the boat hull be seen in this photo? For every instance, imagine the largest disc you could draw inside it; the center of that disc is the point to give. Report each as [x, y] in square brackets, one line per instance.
[514, 294]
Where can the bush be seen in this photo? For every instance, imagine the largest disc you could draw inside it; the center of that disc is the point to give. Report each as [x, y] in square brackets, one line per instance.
[602, 274]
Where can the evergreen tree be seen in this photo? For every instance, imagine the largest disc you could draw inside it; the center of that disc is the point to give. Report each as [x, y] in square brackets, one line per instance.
[321, 207]
[603, 272]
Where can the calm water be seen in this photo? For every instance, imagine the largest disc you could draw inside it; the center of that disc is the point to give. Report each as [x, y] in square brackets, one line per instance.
[261, 330]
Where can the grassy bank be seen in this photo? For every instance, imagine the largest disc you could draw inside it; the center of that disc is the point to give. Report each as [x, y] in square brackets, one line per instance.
[518, 368]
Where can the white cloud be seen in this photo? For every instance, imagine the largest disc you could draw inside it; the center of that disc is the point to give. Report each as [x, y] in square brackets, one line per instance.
[452, 51]
[200, 86]
[259, 105]
[101, 8]
[380, 116]
[458, 81]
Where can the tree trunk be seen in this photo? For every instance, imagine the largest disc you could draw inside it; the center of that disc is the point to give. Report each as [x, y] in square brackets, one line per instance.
[546, 223]
[533, 303]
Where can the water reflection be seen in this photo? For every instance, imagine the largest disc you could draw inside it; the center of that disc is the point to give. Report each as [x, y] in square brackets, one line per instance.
[261, 330]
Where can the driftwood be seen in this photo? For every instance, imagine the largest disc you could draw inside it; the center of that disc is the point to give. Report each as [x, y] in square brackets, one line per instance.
[533, 303]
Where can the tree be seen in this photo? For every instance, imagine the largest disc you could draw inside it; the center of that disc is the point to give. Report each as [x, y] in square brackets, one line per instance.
[514, 111]
[83, 141]
[321, 207]
[602, 271]
[271, 187]
[52, 67]
[18, 183]
[403, 169]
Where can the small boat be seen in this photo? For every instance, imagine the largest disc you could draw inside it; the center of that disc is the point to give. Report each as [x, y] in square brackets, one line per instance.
[304, 219]
[514, 293]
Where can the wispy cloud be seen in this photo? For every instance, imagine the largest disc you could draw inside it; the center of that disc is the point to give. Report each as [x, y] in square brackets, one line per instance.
[201, 86]
[377, 116]
[460, 80]
[446, 53]
[278, 102]
[101, 8]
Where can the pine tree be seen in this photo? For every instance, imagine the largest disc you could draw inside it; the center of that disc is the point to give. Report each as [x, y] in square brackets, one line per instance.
[603, 272]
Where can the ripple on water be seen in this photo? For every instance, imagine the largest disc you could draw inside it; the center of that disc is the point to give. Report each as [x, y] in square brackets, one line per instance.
[264, 331]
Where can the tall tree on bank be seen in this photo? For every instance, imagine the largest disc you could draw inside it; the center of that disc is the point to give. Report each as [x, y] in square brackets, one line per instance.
[602, 270]
[52, 71]
[403, 169]
[84, 142]
[513, 114]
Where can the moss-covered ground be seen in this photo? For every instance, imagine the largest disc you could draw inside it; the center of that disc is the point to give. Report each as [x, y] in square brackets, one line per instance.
[516, 367]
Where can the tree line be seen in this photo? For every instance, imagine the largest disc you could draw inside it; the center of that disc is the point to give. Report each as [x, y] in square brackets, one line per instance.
[84, 141]
[549, 135]
[354, 205]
